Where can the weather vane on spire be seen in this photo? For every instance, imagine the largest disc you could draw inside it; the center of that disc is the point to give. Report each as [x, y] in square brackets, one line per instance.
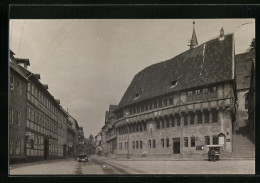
[193, 41]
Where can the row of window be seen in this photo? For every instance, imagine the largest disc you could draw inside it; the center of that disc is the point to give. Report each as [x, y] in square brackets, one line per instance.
[133, 128]
[32, 89]
[173, 121]
[15, 147]
[34, 141]
[200, 94]
[137, 144]
[34, 152]
[207, 141]
[15, 117]
[40, 119]
[62, 121]
[36, 94]
[18, 86]
[165, 143]
[145, 106]
[40, 129]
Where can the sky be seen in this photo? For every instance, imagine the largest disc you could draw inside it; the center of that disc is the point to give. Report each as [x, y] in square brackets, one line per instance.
[89, 63]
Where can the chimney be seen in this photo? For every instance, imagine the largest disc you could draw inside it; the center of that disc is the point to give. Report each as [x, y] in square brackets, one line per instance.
[23, 61]
[25, 65]
[46, 86]
[38, 76]
[222, 35]
[58, 101]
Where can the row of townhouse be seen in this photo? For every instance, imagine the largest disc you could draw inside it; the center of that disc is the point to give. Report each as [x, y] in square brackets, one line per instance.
[181, 105]
[39, 128]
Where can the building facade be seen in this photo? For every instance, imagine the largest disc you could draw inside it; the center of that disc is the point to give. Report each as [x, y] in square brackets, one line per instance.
[111, 136]
[181, 105]
[42, 121]
[251, 103]
[37, 122]
[17, 109]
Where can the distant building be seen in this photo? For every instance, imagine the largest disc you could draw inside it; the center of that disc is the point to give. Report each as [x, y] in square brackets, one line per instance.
[71, 135]
[111, 137]
[81, 134]
[17, 109]
[62, 117]
[243, 63]
[181, 105]
[98, 139]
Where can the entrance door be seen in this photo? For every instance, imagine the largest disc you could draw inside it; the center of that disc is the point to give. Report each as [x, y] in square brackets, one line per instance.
[46, 149]
[176, 145]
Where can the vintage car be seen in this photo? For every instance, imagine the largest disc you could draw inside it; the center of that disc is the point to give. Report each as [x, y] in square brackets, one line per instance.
[213, 152]
[82, 157]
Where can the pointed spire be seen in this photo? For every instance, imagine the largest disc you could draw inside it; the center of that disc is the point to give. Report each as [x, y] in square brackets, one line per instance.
[222, 35]
[193, 41]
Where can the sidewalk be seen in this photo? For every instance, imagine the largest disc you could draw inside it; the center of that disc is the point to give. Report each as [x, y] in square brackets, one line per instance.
[19, 165]
[170, 158]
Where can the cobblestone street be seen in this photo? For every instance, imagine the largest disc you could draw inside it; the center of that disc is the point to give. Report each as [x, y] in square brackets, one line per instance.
[97, 165]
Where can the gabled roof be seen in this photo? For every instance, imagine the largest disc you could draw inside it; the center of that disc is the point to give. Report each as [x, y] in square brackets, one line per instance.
[243, 69]
[208, 63]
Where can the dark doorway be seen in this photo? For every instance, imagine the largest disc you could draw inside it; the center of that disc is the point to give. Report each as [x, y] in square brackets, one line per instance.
[46, 149]
[176, 145]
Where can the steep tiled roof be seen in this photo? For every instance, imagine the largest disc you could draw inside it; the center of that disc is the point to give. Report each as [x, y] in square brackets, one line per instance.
[243, 69]
[208, 63]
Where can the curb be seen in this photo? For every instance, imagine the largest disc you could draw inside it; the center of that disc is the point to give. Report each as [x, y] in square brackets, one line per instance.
[222, 159]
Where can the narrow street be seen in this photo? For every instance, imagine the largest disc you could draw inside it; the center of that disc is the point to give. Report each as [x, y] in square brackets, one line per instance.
[97, 165]
[69, 166]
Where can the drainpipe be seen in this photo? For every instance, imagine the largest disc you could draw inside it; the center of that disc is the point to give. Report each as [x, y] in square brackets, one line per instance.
[128, 142]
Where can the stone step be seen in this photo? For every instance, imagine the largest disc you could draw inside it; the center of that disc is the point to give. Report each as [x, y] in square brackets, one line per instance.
[242, 146]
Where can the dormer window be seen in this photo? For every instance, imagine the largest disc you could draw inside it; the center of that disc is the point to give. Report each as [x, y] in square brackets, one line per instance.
[137, 95]
[174, 83]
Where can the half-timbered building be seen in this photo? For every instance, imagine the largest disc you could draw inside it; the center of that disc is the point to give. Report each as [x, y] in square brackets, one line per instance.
[182, 104]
